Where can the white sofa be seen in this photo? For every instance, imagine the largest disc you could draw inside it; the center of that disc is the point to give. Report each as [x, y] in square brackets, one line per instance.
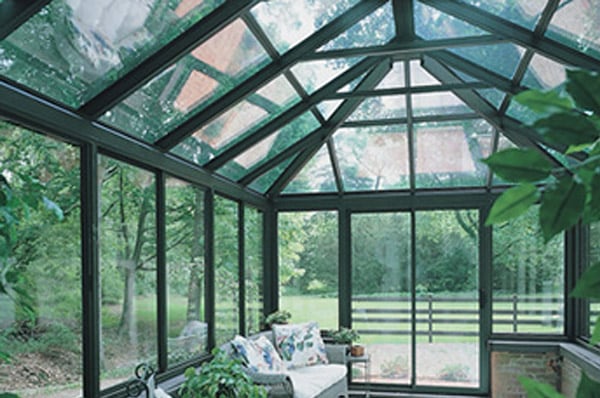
[315, 381]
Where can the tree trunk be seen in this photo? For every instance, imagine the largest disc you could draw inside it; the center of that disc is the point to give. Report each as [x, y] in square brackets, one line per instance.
[128, 325]
[195, 290]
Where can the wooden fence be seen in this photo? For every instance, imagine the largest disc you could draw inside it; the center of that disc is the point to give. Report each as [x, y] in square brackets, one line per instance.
[432, 311]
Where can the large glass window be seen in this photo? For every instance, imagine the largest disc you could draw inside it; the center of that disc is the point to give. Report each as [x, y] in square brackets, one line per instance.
[226, 269]
[253, 265]
[447, 298]
[187, 331]
[381, 294]
[128, 269]
[527, 277]
[308, 267]
[40, 266]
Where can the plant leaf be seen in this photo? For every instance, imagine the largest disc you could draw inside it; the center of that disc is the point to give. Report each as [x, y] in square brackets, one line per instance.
[588, 388]
[8, 395]
[512, 203]
[595, 339]
[588, 285]
[544, 102]
[584, 87]
[592, 208]
[567, 129]
[562, 205]
[537, 389]
[519, 165]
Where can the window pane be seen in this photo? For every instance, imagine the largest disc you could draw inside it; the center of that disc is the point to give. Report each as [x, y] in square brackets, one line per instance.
[72, 50]
[373, 158]
[448, 154]
[527, 279]
[185, 269]
[381, 288]
[305, 16]
[253, 250]
[308, 267]
[128, 269]
[575, 23]
[206, 73]
[226, 270]
[316, 176]
[501, 59]
[433, 24]
[523, 12]
[447, 269]
[40, 267]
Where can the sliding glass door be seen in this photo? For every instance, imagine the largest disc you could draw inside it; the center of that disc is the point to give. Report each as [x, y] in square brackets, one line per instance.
[415, 297]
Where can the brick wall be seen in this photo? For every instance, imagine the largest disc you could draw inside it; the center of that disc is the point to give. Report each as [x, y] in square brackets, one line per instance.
[507, 366]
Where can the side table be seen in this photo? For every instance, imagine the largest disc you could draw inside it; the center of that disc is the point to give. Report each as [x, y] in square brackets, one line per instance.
[365, 361]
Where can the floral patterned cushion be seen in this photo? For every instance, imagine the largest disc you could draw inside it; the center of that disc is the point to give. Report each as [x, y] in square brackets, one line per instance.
[257, 355]
[300, 344]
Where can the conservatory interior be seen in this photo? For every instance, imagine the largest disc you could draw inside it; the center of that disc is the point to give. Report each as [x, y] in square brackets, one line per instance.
[170, 165]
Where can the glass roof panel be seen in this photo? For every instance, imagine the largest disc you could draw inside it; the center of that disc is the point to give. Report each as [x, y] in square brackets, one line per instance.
[522, 12]
[328, 107]
[419, 76]
[257, 110]
[447, 154]
[462, 75]
[265, 181]
[288, 22]
[544, 73]
[315, 74]
[492, 95]
[377, 28]
[521, 113]
[352, 85]
[503, 143]
[431, 23]
[394, 78]
[439, 103]
[575, 24]
[316, 176]
[502, 59]
[71, 50]
[208, 72]
[385, 107]
[270, 146]
[373, 159]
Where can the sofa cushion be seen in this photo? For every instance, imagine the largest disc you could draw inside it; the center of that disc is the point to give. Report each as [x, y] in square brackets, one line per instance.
[300, 344]
[310, 381]
[259, 355]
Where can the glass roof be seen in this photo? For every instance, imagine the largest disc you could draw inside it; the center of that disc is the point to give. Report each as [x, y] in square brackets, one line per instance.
[288, 97]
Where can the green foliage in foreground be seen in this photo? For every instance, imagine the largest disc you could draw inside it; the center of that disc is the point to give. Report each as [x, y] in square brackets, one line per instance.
[222, 377]
[569, 192]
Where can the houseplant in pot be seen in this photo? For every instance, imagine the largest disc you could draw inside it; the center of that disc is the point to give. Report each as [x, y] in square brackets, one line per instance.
[221, 377]
[279, 317]
[350, 337]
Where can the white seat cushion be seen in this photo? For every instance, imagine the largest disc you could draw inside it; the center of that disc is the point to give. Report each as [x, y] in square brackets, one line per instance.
[310, 381]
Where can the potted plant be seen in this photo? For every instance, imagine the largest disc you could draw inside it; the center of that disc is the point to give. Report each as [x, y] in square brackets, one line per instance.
[349, 336]
[222, 377]
[280, 317]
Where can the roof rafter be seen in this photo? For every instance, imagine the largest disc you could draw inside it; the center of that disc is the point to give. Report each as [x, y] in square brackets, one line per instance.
[13, 13]
[269, 72]
[339, 116]
[292, 113]
[159, 61]
[413, 48]
[524, 37]
[383, 92]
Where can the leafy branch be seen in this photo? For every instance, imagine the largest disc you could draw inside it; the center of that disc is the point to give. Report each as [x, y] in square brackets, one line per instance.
[569, 193]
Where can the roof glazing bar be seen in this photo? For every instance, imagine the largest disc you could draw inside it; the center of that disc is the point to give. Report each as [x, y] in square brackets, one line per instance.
[13, 13]
[335, 164]
[404, 20]
[162, 59]
[415, 119]
[499, 26]
[413, 90]
[412, 49]
[269, 72]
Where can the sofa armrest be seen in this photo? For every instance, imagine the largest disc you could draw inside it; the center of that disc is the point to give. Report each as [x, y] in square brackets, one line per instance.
[336, 353]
